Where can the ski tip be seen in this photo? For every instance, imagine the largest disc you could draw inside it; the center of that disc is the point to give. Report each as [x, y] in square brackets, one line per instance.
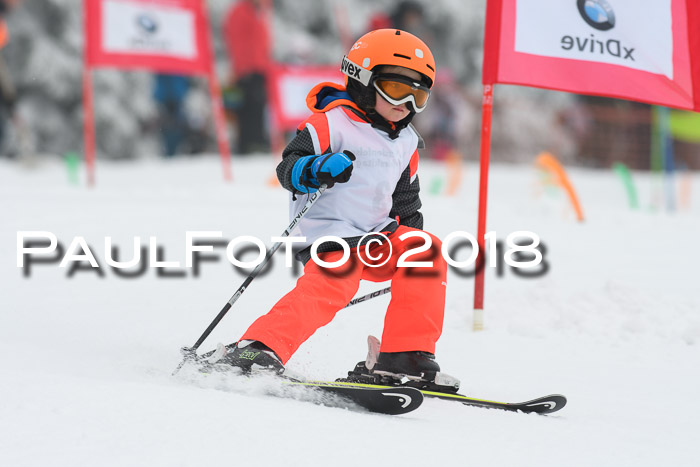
[545, 405]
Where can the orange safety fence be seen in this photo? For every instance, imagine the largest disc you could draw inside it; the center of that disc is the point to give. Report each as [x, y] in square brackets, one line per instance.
[551, 165]
[454, 164]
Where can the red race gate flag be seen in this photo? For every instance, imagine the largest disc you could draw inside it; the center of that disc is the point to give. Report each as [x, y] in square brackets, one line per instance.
[288, 86]
[644, 51]
[166, 36]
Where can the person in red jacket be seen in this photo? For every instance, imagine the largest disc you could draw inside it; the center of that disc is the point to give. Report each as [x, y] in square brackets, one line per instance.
[359, 142]
[8, 92]
[248, 42]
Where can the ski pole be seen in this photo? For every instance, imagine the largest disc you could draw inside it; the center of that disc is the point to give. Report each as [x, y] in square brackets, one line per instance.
[190, 353]
[369, 296]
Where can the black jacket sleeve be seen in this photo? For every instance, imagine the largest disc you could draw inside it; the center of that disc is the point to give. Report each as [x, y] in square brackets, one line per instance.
[302, 145]
[406, 201]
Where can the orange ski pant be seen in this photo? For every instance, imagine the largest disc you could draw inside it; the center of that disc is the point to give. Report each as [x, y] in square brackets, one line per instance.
[413, 319]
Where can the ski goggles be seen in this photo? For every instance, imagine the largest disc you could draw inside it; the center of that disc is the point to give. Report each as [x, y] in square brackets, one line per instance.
[398, 89]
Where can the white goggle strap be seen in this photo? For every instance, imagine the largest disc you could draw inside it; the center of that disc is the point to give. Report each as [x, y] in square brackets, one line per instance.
[355, 71]
[408, 98]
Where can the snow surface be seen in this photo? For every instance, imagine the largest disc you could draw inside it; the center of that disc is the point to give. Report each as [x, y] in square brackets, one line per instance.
[86, 360]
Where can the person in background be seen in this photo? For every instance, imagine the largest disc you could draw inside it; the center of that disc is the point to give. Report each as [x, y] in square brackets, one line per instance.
[248, 42]
[7, 88]
[169, 93]
[438, 125]
[379, 20]
[406, 15]
[409, 16]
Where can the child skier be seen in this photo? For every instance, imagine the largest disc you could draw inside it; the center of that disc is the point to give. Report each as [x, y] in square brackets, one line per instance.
[359, 142]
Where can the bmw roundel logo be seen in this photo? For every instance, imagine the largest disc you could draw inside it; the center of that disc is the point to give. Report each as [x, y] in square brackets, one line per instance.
[597, 13]
[147, 23]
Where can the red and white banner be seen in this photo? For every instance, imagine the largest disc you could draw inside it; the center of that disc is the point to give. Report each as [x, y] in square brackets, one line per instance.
[643, 51]
[166, 36]
[288, 87]
[169, 36]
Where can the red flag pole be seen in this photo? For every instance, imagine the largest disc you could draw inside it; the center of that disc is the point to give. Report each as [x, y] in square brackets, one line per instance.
[88, 126]
[486, 111]
[217, 103]
[220, 122]
[88, 106]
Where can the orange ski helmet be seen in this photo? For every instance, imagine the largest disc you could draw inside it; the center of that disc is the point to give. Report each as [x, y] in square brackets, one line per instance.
[388, 47]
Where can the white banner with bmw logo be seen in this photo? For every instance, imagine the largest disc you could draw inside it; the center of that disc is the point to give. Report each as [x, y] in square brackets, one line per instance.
[141, 28]
[628, 33]
[648, 51]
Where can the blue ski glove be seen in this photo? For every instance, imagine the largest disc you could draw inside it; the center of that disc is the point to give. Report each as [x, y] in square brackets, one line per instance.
[310, 172]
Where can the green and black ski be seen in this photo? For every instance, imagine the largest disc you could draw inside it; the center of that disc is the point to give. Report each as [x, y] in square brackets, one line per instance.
[379, 399]
[541, 405]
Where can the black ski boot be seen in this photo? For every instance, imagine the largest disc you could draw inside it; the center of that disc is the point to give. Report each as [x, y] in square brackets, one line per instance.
[250, 356]
[415, 368]
[410, 364]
